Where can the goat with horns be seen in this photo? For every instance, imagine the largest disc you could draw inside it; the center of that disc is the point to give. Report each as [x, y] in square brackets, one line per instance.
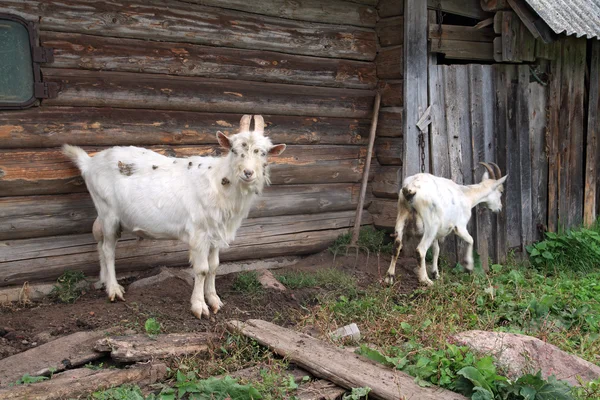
[198, 200]
[437, 207]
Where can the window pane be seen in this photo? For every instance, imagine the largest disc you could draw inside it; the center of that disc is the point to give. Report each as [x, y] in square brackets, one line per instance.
[16, 68]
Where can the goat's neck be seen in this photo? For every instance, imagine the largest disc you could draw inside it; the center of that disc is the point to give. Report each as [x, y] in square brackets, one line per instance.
[476, 193]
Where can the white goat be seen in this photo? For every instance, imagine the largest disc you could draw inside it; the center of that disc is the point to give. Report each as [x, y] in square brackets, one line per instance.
[439, 206]
[198, 200]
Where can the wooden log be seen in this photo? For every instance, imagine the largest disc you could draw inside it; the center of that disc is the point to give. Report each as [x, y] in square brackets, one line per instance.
[83, 381]
[135, 348]
[48, 171]
[390, 122]
[389, 151]
[331, 12]
[385, 184]
[590, 208]
[76, 51]
[392, 93]
[494, 5]
[47, 258]
[151, 91]
[466, 8]
[337, 365]
[457, 32]
[319, 389]
[384, 212]
[390, 31]
[464, 50]
[57, 355]
[191, 23]
[90, 126]
[37, 216]
[390, 8]
[389, 63]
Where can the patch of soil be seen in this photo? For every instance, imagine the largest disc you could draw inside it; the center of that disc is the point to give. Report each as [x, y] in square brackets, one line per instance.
[24, 327]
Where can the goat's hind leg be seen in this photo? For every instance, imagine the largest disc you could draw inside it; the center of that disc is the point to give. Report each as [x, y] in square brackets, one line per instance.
[426, 242]
[111, 231]
[99, 236]
[435, 247]
[403, 214]
[210, 291]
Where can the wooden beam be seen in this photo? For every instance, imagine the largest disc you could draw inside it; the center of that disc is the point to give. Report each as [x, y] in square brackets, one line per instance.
[391, 93]
[466, 8]
[494, 5]
[337, 365]
[389, 63]
[590, 211]
[534, 23]
[457, 32]
[390, 8]
[390, 31]
[390, 122]
[415, 86]
[463, 50]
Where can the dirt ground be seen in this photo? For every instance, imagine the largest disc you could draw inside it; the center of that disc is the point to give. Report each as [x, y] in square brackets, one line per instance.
[24, 327]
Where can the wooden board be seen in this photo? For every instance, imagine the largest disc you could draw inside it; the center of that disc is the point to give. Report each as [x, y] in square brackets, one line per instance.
[590, 211]
[53, 215]
[554, 101]
[102, 126]
[77, 51]
[390, 122]
[152, 91]
[392, 93]
[390, 8]
[390, 31]
[337, 365]
[389, 63]
[191, 23]
[466, 8]
[458, 32]
[47, 258]
[525, 153]
[463, 50]
[388, 151]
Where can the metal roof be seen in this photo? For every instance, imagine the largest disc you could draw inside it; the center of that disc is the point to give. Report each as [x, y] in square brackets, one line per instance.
[573, 17]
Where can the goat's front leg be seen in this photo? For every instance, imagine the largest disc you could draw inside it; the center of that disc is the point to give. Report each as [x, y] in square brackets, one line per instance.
[199, 259]
[464, 235]
[426, 241]
[403, 214]
[435, 247]
[210, 292]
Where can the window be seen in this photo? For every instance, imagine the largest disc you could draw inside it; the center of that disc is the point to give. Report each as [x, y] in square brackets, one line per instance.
[20, 57]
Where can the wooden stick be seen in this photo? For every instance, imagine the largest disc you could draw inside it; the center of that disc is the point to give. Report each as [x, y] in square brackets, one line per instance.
[365, 178]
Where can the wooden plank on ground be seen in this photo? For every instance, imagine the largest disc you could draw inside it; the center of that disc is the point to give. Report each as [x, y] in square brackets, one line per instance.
[102, 126]
[83, 381]
[415, 86]
[390, 31]
[153, 91]
[464, 50]
[525, 154]
[590, 211]
[389, 62]
[466, 8]
[135, 348]
[65, 352]
[390, 8]
[191, 23]
[554, 132]
[47, 258]
[500, 111]
[337, 365]
[458, 32]
[77, 51]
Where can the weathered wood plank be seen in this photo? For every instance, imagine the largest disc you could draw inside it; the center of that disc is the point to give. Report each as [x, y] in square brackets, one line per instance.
[152, 91]
[337, 365]
[47, 258]
[392, 94]
[592, 189]
[390, 122]
[76, 51]
[47, 171]
[415, 87]
[500, 110]
[511, 26]
[389, 63]
[467, 8]
[388, 151]
[163, 20]
[458, 32]
[385, 183]
[547, 51]
[390, 8]
[390, 31]
[525, 153]
[464, 50]
[494, 5]
[457, 122]
[37, 216]
[331, 12]
[102, 126]
[554, 132]
[532, 21]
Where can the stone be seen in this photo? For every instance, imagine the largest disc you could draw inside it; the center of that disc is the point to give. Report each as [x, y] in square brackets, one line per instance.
[268, 281]
[521, 354]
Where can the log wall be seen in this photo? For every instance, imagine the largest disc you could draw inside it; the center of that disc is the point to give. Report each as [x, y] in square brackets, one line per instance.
[168, 75]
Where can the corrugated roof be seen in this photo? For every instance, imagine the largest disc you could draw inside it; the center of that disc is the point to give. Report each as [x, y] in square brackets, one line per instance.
[573, 17]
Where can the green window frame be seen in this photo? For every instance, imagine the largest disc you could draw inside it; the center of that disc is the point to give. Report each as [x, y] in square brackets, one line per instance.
[21, 82]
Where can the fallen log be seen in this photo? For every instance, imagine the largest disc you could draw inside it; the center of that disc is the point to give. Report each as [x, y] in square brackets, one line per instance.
[57, 355]
[336, 365]
[83, 381]
[135, 348]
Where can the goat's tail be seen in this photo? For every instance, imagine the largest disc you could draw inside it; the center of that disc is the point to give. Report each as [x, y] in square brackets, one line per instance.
[77, 155]
[408, 193]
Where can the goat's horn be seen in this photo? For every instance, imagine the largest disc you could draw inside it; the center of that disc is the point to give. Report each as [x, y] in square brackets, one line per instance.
[497, 168]
[489, 169]
[259, 124]
[245, 123]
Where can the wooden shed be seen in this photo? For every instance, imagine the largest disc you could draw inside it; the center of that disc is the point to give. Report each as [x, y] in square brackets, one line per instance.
[168, 74]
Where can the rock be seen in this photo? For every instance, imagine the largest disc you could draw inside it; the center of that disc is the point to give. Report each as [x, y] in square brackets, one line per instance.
[522, 354]
[268, 281]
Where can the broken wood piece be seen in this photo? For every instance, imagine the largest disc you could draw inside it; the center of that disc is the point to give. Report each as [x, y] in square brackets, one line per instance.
[268, 281]
[319, 390]
[57, 355]
[336, 365]
[142, 347]
[83, 381]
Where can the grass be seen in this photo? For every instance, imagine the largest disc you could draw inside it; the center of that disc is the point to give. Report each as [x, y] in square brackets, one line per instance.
[247, 282]
[69, 286]
[329, 278]
[368, 238]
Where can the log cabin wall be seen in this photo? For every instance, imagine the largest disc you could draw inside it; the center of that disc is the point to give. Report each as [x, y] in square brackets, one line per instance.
[168, 75]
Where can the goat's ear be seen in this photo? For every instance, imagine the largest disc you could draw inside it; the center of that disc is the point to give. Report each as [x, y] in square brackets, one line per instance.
[277, 149]
[223, 140]
[485, 176]
[500, 181]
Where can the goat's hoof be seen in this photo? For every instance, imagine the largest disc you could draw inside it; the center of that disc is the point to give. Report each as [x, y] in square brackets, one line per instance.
[435, 275]
[200, 310]
[389, 280]
[214, 302]
[426, 282]
[115, 292]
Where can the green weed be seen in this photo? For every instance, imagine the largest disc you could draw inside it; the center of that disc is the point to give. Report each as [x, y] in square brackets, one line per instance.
[27, 379]
[68, 287]
[368, 238]
[152, 327]
[358, 393]
[328, 278]
[125, 392]
[247, 282]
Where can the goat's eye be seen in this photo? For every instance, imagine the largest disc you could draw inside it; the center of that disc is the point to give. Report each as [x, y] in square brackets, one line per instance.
[255, 151]
[244, 144]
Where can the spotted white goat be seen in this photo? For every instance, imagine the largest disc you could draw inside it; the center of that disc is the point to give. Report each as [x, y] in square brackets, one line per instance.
[438, 206]
[198, 200]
